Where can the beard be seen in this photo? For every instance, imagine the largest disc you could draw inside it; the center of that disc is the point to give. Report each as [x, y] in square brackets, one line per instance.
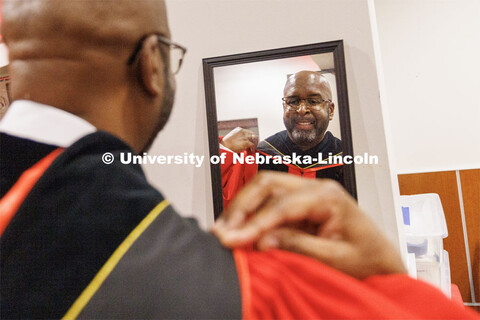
[165, 111]
[306, 137]
[303, 137]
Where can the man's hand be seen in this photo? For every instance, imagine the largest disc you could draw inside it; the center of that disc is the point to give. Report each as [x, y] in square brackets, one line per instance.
[317, 218]
[239, 140]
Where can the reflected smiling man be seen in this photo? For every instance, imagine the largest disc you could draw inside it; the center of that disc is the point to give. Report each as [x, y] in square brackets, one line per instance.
[82, 238]
[304, 146]
[307, 111]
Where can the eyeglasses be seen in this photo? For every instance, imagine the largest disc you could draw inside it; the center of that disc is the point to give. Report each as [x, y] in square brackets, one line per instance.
[312, 103]
[177, 52]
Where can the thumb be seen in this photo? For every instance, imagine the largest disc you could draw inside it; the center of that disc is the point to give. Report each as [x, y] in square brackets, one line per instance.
[325, 250]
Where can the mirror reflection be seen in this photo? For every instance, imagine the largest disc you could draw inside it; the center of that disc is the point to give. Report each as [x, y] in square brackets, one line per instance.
[291, 104]
[282, 114]
[254, 90]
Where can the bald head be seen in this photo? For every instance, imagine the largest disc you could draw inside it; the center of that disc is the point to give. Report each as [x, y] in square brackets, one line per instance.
[73, 55]
[76, 29]
[305, 79]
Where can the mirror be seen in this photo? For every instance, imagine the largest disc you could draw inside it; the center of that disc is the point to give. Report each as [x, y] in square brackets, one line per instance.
[246, 90]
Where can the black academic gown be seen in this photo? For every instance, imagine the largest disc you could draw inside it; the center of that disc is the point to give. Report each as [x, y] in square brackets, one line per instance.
[64, 239]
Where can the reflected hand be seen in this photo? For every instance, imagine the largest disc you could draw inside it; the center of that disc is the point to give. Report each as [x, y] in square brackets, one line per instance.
[239, 140]
[317, 218]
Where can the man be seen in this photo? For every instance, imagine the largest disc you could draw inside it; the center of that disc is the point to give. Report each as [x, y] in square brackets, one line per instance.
[307, 111]
[82, 238]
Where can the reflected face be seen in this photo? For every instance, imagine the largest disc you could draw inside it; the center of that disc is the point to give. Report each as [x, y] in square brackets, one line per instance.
[306, 125]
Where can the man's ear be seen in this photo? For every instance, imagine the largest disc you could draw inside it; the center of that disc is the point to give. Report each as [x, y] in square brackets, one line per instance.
[151, 66]
[331, 108]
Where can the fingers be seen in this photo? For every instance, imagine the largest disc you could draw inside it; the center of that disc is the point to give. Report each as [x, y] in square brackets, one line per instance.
[333, 252]
[282, 200]
[254, 142]
[250, 141]
[316, 218]
[250, 198]
[324, 250]
[239, 140]
[250, 146]
[274, 213]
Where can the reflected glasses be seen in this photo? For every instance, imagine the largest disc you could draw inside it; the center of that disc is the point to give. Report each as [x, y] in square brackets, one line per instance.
[312, 103]
[177, 52]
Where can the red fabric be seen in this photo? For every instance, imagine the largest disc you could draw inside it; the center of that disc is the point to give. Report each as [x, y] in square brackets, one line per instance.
[456, 294]
[283, 285]
[234, 176]
[306, 172]
[310, 175]
[11, 201]
[295, 171]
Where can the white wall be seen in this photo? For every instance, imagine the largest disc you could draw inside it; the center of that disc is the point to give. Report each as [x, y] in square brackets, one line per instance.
[431, 60]
[218, 27]
[254, 90]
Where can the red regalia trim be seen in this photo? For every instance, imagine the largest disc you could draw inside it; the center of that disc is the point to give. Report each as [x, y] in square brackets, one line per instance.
[293, 169]
[11, 202]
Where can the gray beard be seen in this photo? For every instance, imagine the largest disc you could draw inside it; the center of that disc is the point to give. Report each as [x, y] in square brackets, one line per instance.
[304, 136]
